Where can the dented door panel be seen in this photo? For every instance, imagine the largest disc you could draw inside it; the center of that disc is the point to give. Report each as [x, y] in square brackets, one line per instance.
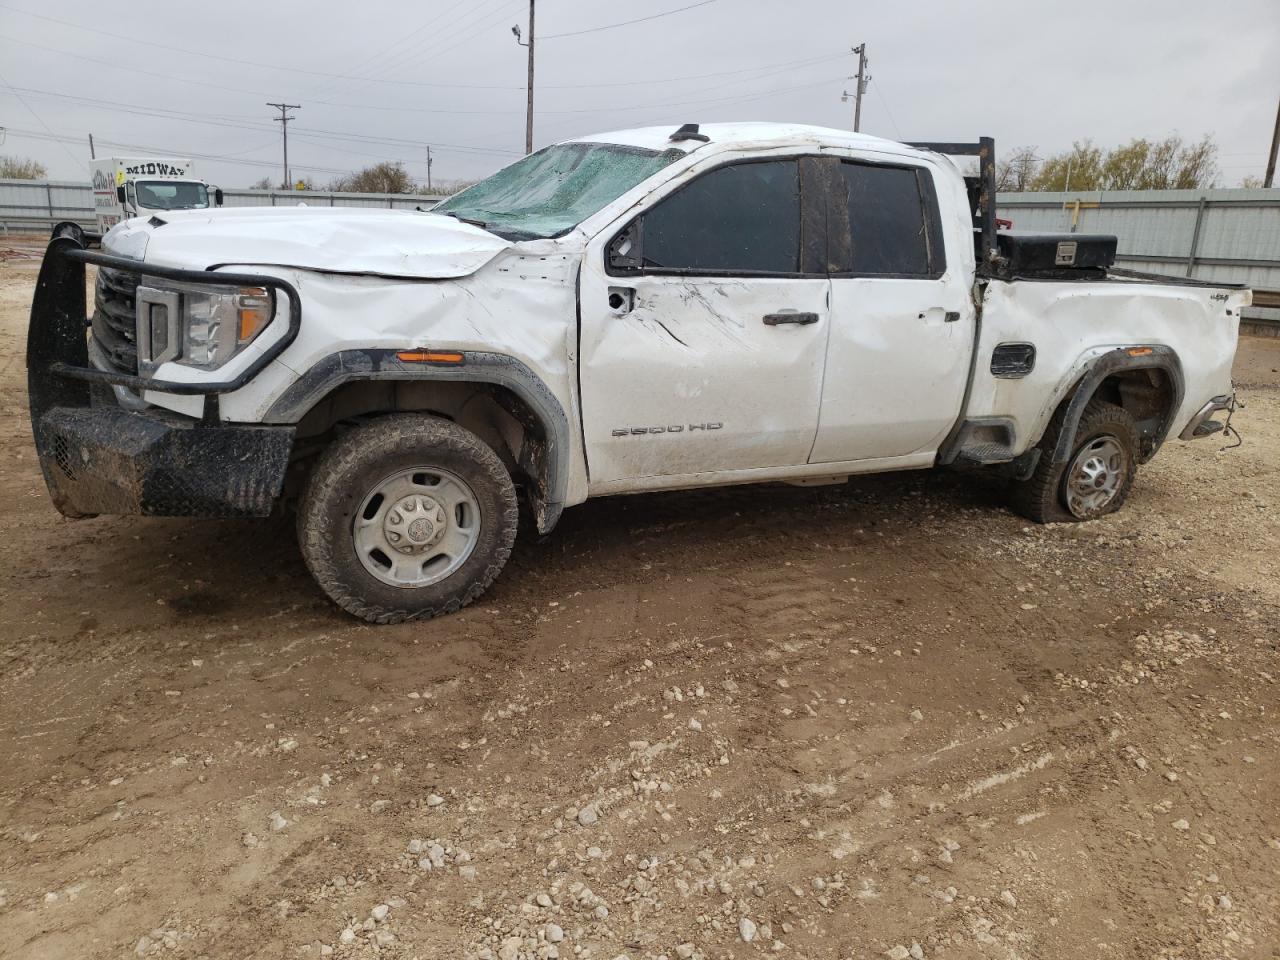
[687, 377]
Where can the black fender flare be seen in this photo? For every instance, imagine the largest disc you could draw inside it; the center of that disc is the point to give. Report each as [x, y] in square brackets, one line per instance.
[1136, 357]
[349, 366]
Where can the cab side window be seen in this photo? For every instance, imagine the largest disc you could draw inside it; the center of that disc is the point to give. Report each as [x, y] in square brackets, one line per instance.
[893, 221]
[743, 218]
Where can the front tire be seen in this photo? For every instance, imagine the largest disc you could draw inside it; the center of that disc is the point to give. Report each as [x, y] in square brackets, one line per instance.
[1097, 477]
[407, 517]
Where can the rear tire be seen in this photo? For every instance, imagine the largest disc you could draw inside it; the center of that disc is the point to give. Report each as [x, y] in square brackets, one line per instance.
[1097, 477]
[407, 517]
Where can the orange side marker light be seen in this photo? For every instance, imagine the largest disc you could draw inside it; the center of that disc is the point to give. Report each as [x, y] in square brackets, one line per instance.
[428, 356]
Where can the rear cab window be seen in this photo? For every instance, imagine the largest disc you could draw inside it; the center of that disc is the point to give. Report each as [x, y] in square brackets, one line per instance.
[892, 227]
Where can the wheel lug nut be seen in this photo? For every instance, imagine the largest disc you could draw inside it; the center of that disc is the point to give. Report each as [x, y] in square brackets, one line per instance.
[393, 537]
[395, 517]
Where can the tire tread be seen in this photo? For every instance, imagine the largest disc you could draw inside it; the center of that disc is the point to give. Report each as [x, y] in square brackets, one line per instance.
[348, 453]
[1037, 498]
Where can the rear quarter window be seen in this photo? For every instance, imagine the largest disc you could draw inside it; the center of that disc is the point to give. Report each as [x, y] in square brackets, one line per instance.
[893, 221]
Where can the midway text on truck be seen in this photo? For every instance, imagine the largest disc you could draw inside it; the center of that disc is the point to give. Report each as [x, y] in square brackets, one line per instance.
[634, 311]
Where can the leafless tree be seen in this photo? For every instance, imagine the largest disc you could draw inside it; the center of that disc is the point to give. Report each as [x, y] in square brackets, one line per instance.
[22, 168]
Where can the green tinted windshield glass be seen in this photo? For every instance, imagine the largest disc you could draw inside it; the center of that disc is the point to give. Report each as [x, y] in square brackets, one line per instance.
[551, 191]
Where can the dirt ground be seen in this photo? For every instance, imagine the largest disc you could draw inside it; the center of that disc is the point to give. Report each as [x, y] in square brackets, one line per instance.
[882, 719]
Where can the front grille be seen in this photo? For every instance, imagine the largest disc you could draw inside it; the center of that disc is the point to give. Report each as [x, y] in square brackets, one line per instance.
[114, 324]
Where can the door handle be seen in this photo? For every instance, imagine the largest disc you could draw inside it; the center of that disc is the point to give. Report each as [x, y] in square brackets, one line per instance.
[774, 319]
[948, 316]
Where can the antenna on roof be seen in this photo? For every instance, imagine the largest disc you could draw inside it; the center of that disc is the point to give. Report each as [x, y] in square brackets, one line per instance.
[689, 132]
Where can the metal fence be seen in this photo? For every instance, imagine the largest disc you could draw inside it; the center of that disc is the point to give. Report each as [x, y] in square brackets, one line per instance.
[28, 204]
[36, 205]
[1227, 235]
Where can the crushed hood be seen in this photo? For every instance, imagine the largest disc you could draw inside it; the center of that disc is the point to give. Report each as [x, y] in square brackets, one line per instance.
[395, 243]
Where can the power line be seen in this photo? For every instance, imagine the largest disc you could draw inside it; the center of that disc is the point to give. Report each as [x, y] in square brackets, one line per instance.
[761, 95]
[357, 106]
[214, 56]
[702, 103]
[884, 103]
[627, 23]
[380, 56]
[148, 148]
[763, 69]
[395, 61]
[475, 21]
[249, 63]
[398, 141]
[39, 119]
[110, 106]
[114, 106]
[234, 158]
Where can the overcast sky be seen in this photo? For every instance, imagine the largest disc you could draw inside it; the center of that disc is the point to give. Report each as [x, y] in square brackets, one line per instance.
[379, 80]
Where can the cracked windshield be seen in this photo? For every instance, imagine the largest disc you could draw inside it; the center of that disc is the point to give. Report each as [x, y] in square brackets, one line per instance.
[550, 192]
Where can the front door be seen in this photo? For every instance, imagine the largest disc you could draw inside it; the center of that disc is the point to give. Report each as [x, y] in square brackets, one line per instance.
[703, 334]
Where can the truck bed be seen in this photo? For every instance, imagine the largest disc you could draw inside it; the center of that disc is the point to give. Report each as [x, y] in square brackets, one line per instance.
[1066, 325]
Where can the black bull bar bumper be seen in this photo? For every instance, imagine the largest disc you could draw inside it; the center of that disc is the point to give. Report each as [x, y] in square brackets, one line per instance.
[98, 457]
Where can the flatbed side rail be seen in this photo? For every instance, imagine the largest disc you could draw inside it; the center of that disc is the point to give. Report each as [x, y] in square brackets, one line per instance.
[1120, 273]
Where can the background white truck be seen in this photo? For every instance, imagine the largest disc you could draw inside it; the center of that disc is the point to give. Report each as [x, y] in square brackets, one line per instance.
[125, 187]
[634, 311]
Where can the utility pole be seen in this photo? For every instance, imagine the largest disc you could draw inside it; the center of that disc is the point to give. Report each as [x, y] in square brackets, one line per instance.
[1269, 179]
[429, 162]
[528, 123]
[863, 79]
[283, 120]
[92, 155]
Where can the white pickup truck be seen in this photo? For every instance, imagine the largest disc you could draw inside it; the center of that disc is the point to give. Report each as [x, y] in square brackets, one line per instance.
[650, 309]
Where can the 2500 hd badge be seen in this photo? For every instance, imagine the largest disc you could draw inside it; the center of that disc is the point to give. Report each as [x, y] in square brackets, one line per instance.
[674, 428]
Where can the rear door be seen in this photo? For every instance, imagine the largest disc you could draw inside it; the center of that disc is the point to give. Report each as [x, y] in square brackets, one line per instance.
[704, 325]
[902, 317]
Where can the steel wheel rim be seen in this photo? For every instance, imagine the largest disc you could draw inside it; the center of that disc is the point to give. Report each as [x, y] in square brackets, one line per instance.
[416, 527]
[1095, 476]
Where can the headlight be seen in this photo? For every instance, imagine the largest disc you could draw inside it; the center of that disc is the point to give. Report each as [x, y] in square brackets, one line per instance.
[200, 325]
